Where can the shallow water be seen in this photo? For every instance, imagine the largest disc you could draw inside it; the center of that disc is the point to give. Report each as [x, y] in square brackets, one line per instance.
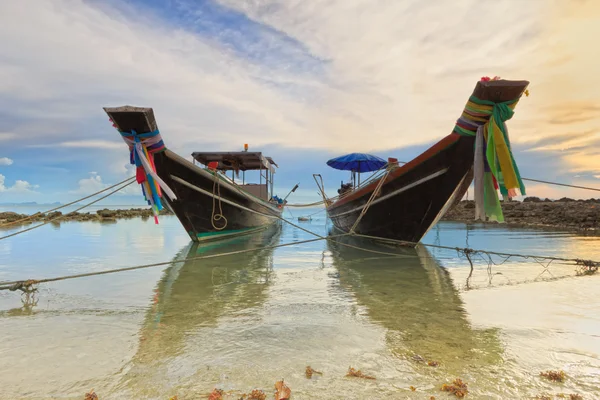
[244, 321]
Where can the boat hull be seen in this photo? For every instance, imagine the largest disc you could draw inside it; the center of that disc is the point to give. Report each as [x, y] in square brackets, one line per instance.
[411, 203]
[414, 197]
[199, 200]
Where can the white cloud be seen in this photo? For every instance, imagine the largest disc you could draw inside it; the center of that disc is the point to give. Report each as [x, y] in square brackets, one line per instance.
[5, 161]
[189, 83]
[403, 69]
[375, 87]
[84, 144]
[94, 183]
[384, 74]
[6, 136]
[90, 185]
[20, 186]
[117, 166]
[132, 190]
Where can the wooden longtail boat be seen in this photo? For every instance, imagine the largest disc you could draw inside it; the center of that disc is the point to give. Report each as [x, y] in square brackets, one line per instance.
[411, 198]
[208, 203]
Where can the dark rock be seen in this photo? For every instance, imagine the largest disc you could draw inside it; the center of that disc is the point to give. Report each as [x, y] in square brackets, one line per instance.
[53, 215]
[106, 213]
[100, 215]
[532, 200]
[10, 216]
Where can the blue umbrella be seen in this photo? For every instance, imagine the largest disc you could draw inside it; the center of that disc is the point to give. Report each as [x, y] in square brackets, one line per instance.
[358, 162]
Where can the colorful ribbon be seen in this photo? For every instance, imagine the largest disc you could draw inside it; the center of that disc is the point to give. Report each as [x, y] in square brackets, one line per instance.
[142, 147]
[494, 165]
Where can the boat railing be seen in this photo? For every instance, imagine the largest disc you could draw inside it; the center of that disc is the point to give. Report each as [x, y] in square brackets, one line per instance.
[236, 185]
[377, 175]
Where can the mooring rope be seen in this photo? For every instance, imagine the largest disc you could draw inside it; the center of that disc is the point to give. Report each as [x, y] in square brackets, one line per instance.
[373, 178]
[64, 205]
[370, 201]
[64, 215]
[562, 184]
[347, 244]
[466, 250]
[316, 203]
[587, 266]
[25, 285]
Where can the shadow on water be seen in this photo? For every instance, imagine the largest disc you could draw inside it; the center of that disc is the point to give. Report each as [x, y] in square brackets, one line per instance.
[414, 298]
[196, 294]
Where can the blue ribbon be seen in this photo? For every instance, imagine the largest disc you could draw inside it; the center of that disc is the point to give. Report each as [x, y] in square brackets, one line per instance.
[139, 135]
[135, 159]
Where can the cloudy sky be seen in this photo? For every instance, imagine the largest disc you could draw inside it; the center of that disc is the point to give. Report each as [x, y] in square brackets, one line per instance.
[302, 80]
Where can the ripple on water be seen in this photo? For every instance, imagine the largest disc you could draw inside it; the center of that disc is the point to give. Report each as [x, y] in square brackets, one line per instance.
[244, 321]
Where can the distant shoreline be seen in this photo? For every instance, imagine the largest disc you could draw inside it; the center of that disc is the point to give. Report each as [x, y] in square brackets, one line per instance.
[574, 215]
[104, 214]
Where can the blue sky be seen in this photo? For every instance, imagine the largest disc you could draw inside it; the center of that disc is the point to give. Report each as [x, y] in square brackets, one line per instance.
[303, 81]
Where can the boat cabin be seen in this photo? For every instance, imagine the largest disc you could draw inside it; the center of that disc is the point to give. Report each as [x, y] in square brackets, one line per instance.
[242, 161]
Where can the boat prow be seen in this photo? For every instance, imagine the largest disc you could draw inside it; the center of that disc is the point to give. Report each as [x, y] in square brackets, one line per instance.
[208, 204]
[406, 201]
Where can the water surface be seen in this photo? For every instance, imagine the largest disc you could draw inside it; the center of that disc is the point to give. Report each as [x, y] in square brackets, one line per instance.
[243, 321]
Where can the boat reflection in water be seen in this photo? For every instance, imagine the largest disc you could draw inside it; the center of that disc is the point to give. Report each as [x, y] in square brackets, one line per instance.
[414, 299]
[198, 295]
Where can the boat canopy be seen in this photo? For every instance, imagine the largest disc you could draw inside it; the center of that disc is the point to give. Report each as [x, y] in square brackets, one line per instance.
[236, 160]
[357, 162]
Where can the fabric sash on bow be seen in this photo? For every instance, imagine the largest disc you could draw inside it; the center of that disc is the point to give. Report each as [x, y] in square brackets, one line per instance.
[142, 148]
[494, 164]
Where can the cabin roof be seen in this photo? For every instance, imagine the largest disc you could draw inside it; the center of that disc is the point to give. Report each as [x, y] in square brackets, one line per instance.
[232, 160]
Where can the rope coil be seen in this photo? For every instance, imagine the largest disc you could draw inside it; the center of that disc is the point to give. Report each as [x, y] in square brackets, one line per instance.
[28, 286]
[217, 196]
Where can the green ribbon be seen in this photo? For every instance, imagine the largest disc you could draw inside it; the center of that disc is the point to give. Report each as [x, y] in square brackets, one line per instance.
[500, 113]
